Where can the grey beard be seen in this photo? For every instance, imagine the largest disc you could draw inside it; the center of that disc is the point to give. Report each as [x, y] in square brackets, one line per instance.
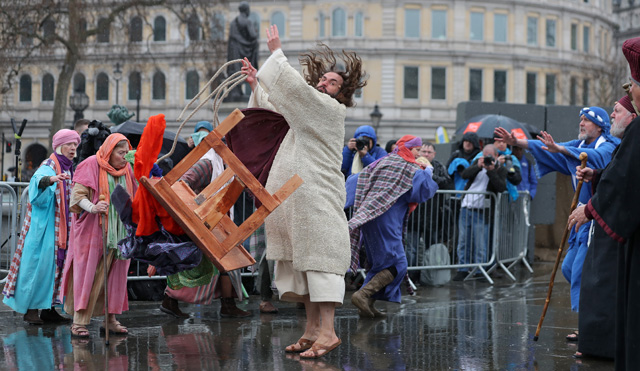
[617, 131]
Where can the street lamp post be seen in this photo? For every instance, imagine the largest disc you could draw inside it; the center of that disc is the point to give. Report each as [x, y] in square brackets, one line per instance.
[376, 116]
[117, 75]
[78, 102]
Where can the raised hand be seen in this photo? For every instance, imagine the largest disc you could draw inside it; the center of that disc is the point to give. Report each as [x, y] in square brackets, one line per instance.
[273, 38]
[250, 71]
[549, 144]
[502, 135]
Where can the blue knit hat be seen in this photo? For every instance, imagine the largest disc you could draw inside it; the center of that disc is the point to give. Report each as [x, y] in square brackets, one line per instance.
[203, 124]
[598, 116]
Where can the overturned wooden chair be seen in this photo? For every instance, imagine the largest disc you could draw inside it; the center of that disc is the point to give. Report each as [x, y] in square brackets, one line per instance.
[204, 216]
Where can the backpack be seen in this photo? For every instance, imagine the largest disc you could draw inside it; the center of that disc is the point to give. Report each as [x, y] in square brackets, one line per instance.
[436, 255]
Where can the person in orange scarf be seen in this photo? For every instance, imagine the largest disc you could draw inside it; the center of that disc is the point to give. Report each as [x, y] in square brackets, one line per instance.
[83, 278]
[33, 282]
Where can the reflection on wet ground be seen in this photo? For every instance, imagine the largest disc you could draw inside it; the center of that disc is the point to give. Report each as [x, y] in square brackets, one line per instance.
[462, 325]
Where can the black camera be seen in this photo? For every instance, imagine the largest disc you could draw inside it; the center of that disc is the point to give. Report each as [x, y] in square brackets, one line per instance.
[508, 163]
[489, 160]
[362, 142]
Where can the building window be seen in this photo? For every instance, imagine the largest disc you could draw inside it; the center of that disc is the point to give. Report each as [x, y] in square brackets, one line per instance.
[477, 26]
[410, 82]
[27, 38]
[47, 88]
[194, 31]
[586, 35]
[338, 23]
[551, 33]
[412, 23]
[439, 24]
[500, 86]
[25, 88]
[358, 21]
[48, 29]
[193, 84]
[573, 92]
[585, 92]
[574, 36]
[475, 84]
[159, 29]
[217, 27]
[532, 31]
[79, 83]
[135, 85]
[158, 88]
[500, 28]
[82, 35]
[531, 87]
[277, 18]
[321, 25]
[438, 83]
[102, 86]
[104, 29]
[550, 89]
[135, 30]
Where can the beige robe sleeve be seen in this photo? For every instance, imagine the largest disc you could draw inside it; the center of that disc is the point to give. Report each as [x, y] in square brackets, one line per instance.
[79, 193]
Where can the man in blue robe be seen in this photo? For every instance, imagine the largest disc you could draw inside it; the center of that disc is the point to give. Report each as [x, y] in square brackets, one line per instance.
[595, 140]
[383, 195]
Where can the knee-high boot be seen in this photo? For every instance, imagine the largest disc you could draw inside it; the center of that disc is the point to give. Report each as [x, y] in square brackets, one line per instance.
[361, 298]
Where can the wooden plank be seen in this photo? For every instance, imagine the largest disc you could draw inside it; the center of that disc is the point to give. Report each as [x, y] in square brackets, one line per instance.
[222, 201]
[194, 227]
[228, 123]
[243, 173]
[214, 186]
[257, 218]
[186, 163]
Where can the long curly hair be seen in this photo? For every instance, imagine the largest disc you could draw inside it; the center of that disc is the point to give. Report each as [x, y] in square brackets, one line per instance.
[321, 60]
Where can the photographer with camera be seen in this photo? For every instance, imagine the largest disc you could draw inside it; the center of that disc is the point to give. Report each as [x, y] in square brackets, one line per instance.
[361, 151]
[484, 174]
[513, 165]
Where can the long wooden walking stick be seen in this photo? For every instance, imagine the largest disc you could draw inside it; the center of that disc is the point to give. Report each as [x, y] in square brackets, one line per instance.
[103, 218]
[574, 203]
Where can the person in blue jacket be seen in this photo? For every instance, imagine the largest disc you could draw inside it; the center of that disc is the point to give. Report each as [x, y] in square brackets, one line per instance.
[354, 159]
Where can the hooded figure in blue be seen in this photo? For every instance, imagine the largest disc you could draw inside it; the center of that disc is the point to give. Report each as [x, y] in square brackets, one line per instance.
[460, 159]
[354, 160]
[593, 139]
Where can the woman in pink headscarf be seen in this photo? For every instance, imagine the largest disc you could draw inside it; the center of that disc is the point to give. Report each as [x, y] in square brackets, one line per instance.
[382, 196]
[83, 279]
[33, 282]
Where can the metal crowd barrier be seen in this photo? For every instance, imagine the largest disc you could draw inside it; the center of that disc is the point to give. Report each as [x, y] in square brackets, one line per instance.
[513, 232]
[495, 234]
[12, 211]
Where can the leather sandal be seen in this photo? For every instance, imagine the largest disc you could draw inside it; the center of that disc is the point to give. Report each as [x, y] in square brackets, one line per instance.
[302, 343]
[115, 328]
[79, 331]
[572, 336]
[317, 348]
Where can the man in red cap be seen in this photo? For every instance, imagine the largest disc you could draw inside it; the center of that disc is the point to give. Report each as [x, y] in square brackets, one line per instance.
[614, 206]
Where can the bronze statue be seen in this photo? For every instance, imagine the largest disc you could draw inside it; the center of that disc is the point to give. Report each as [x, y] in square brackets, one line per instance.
[243, 42]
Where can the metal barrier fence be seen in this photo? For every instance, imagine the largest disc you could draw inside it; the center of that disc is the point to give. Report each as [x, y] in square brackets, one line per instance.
[478, 236]
[494, 235]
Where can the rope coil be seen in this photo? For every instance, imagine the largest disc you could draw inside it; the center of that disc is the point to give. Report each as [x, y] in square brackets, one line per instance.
[218, 95]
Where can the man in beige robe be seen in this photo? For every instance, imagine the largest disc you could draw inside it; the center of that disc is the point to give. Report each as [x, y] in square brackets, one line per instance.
[307, 235]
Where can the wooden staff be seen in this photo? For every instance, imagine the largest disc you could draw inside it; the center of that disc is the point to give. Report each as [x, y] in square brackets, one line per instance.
[574, 203]
[103, 218]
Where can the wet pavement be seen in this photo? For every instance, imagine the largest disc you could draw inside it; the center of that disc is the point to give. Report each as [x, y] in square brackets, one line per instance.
[463, 325]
